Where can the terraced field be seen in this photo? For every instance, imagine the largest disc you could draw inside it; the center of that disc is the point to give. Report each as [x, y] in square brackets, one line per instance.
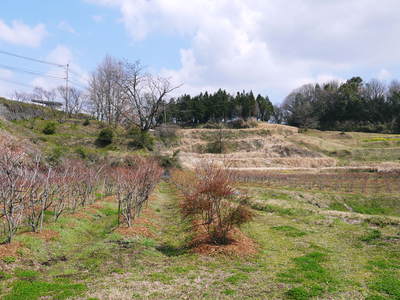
[310, 244]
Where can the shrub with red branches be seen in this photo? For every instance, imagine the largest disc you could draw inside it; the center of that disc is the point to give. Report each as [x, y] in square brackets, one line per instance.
[212, 200]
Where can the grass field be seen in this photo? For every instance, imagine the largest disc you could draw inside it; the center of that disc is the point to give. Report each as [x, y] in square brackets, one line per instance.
[310, 245]
[326, 225]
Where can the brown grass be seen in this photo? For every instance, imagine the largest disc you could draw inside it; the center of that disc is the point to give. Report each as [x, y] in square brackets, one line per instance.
[239, 245]
[9, 249]
[141, 226]
[46, 234]
[81, 215]
[135, 230]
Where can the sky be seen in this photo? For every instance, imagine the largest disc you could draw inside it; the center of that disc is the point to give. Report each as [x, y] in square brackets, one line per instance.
[268, 46]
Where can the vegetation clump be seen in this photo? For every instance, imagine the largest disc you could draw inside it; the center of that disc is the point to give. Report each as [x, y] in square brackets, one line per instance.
[105, 137]
[140, 139]
[212, 202]
[86, 122]
[49, 128]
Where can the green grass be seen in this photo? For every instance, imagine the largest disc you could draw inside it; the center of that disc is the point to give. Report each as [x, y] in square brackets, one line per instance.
[9, 259]
[29, 275]
[388, 284]
[282, 211]
[31, 290]
[371, 236]
[314, 278]
[289, 231]
[236, 278]
[300, 255]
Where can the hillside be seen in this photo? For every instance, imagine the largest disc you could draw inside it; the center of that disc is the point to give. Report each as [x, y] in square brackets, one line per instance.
[271, 146]
[325, 207]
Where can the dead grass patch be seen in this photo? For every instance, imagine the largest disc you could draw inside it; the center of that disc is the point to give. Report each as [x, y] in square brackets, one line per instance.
[9, 249]
[109, 199]
[80, 215]
[96, 206]
[239, 245]
[135, 230]
[140, 226]
[46, 234]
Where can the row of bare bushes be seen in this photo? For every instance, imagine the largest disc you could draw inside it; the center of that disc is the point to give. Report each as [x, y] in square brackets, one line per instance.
[29, 187]
[210, 201]
[350, 181]
[133, 186]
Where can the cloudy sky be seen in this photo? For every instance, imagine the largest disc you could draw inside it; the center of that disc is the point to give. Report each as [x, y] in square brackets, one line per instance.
[268, 46]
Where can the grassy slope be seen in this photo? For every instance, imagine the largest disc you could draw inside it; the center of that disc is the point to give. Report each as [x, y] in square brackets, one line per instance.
[351, 147]
[70, 138]
[302, 254]
[305, 250]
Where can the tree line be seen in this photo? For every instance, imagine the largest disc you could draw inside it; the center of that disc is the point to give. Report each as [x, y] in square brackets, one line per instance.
[123, 93]
[353, 105]
[218, 107]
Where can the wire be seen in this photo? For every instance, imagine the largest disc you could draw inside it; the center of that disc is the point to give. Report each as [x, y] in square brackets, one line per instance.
[77, 75]
[30, 72]
[32, 59]
[17, 83]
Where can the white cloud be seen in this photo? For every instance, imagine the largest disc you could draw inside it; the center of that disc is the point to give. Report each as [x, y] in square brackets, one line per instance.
[65, 26]
[384, 75]
[19, 33]
[62, 55]
[268, 45]
[6, 74]
[6, 87]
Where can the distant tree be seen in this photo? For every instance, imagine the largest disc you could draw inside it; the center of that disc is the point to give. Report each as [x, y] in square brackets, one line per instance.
[22, 96]
[299, 107]
[264, 108]
[107, 101]
[144, 95]
[74, 99]
[40, 93]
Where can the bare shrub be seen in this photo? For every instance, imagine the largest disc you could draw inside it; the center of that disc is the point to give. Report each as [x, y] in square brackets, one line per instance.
[28, 187]
[14, 183]
[212, 200]
[133, 186]
[38, 193]
[60, 186]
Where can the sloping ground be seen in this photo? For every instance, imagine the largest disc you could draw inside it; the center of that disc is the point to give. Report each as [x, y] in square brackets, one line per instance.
[14, 110]
[306, 250]
[271, 146]
[267, 146]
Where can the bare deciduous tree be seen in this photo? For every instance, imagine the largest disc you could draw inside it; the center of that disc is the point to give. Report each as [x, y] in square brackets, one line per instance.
[73, 99]
[22, 96]
[105, 91]
[124, 93]
[145, 95]
[40, 93]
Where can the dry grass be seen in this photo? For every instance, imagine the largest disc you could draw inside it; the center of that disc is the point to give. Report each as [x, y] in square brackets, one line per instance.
[45, 234]
[9, 249]
[239, 245]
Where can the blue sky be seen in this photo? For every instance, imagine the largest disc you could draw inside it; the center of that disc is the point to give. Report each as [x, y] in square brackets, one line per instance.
[269, 46]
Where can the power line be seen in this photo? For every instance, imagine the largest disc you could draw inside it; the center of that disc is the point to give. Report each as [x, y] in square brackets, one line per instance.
[32, 59]
[17, 83]
[78, 76]
[30, 72]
